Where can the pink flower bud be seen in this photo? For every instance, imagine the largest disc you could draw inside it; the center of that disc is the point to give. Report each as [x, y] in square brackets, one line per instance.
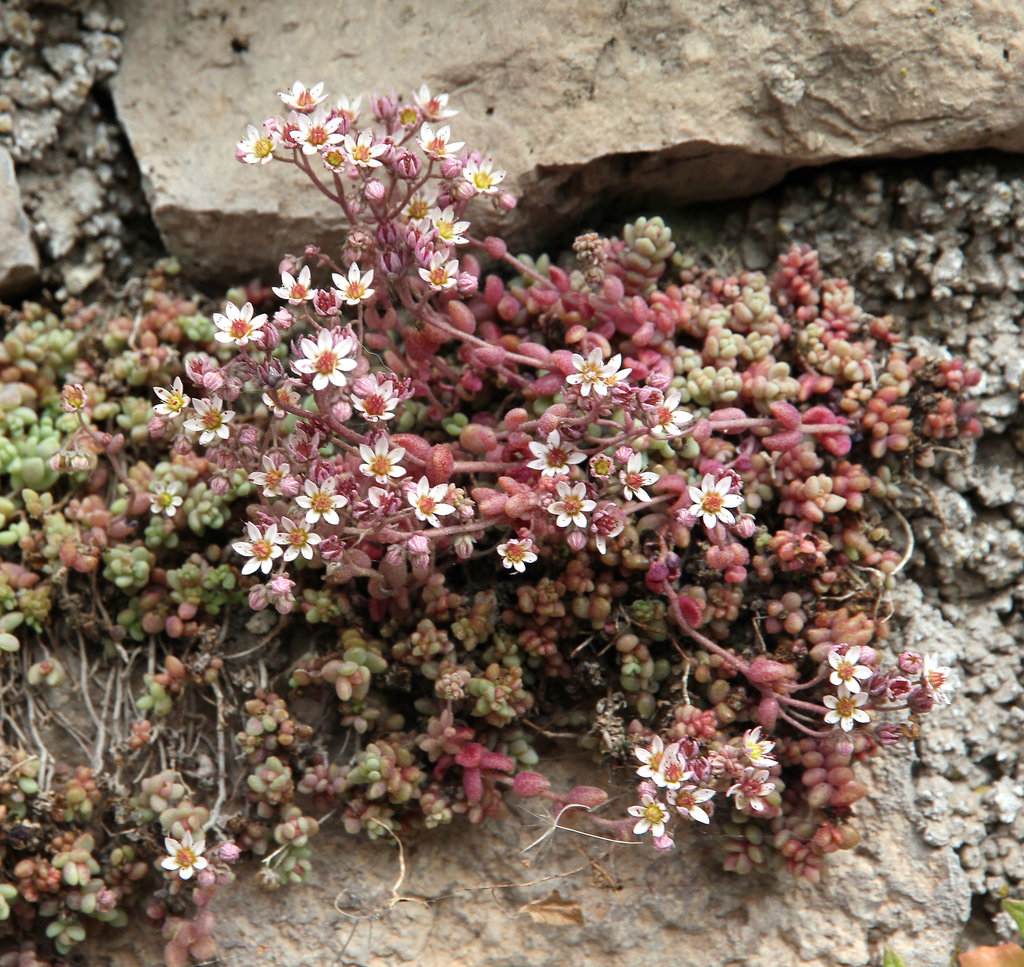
[745, 526]
[212, 380]
[281, 584]
[231, 390]
[467, 283]
[268, 338]
[258, 597]
[407, 164]
[248, 436]
[375, 190]
[157, 427]
[283, 319]
[659, 381]
[686, 517]
[418, 544]
[228, 852]
[195, 368]
[464, 191]
[506, 201]
[220, 486]
[910, 662]
[206, 878]
[451, 167]
[844, 746]
[290, 487]
[889, 733]
[576, 540]
[664, 843]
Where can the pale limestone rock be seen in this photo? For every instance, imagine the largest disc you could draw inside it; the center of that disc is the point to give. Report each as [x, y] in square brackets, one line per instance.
[19, 260]
[638, 907]
[648, 103]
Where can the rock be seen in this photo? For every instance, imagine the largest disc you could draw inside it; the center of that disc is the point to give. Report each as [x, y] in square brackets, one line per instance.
[637, 907]
[19, 260]
[604, 102]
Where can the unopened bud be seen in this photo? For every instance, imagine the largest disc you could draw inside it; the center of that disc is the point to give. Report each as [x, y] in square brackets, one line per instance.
[268, 338]
[451, 167]
[745, 526]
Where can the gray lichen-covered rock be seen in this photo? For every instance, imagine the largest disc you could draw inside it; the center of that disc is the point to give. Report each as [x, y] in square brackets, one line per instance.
[673, 100]
[77, 183]
[19, 260]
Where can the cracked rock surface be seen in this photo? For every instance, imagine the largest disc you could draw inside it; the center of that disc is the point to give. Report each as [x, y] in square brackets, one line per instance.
[669, 100]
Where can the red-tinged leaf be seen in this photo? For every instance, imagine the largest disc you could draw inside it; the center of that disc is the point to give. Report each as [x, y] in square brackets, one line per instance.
[470, 754]
[562, 359]
[512, 487]
[546, 385]
[413, 444]
[786, 413]
[781, 442]
[727, 413]
[440, 464]
[489, 502]
[561, 278]
[497, 761]
[461, 317]
[176, 954]
[473, 784]
[1005, 955]
[554, 911]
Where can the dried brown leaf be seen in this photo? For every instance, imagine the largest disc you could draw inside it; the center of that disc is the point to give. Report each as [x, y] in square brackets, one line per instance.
[554, 911]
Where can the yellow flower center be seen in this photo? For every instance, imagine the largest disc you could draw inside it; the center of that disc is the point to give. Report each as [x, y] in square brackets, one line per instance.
[711, 504]
[321, 502]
